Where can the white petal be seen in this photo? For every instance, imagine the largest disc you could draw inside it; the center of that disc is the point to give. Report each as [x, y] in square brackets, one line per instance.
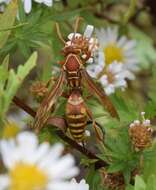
[101, 59]
[120, 83]
[27, 5]
[64, 168]
[53, 155]
[122, 41]
[109, 89]
[130, 45]
[62, 186]
[49, 3]
[94, 70]
[88, 31]
[115, 67]
[41, 152]
[8, 152]
[27, 140]
[103, 80]
[4, 182]
[112, 34]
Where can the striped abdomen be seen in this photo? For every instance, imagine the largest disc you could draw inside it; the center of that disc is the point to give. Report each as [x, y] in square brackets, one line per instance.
[76, 125]
[76, 115]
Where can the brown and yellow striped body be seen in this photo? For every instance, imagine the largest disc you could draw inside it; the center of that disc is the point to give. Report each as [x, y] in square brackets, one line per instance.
[76, 116]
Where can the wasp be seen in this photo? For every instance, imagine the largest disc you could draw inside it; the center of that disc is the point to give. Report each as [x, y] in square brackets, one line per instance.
[73, 75]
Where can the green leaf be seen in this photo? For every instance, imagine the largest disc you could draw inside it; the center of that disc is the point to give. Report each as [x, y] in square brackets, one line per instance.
[151, 182]
[6, 21]
[145, 48]
[139, 183]
[115, 167]
[4, 70]
[93, 179]
[14, 81]
[127, 109]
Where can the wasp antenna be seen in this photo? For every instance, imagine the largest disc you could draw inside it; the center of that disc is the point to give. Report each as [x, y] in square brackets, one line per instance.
[59, 33]
[77, 24]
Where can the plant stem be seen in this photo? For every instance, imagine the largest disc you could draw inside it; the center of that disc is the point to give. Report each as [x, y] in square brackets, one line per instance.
[98, 164]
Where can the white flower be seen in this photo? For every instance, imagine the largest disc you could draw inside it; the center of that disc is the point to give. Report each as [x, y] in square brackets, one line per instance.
[33, 166]
[115, 48]
[111, 77]
[28, 3]
[144, 122]
[80, 186]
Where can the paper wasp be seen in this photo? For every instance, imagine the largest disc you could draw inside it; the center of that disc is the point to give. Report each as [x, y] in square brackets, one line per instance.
[73, 74]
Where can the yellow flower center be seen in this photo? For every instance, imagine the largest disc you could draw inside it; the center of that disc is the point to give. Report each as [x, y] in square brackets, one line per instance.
[113, 53]
[27, 177]
[10, 130]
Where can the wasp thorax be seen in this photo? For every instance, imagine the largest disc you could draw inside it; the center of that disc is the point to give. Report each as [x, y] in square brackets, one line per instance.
[140, 133]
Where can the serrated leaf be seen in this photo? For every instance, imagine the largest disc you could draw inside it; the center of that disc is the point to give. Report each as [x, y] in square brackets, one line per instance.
[6, 21]
[13, 83]
[126, 108]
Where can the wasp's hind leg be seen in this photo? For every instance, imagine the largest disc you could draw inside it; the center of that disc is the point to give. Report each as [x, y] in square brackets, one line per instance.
[98, 131]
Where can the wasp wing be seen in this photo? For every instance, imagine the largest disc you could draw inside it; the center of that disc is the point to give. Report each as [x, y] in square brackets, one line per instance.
[96, 90]
[44, 109]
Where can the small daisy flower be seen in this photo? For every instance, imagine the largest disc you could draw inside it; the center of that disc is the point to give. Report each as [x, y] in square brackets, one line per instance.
[114, 48]
[79, 186]
[33, 166]
[111, 77]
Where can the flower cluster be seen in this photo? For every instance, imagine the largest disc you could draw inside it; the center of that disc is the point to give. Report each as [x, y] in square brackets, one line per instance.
[115, 60]
[140, 133]
[31, 165]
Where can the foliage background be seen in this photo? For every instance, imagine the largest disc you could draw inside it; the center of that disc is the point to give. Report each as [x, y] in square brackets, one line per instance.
[36, 32]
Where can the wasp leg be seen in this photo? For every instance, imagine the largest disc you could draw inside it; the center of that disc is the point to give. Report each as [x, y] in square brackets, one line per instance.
[99, 133]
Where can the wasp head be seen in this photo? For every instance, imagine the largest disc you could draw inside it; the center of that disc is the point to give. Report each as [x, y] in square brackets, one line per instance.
[81, 45]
